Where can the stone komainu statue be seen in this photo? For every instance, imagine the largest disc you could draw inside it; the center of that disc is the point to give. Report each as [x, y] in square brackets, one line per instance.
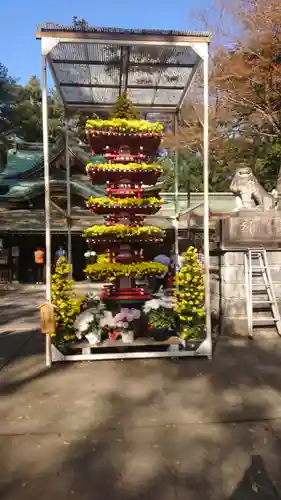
[250, 194]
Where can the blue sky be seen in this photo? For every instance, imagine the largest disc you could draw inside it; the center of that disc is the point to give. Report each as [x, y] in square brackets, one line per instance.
[20, 51]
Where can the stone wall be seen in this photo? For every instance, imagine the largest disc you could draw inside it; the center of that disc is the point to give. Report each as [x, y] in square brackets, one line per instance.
[228, 289]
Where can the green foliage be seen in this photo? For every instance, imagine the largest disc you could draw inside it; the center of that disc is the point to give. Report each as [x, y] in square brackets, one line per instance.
[192, 332]
[267, 165]
[162, 318]
[124, 108]
[27, 118]
[80, 23]
[190, 173]
[7, 98]
[67, 303]
[189, 290]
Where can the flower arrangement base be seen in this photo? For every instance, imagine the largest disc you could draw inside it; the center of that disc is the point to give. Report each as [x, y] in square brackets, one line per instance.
[135, 142]
[120, 213]
[99, 176]
[192, 338]
[128, 337]
[125, 295]
[160, 334]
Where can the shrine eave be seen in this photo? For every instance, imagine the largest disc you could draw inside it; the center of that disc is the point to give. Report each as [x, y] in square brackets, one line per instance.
[92, 66]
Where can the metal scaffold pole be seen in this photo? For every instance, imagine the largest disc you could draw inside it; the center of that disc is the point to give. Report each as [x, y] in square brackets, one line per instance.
[176, 190]
[206, 197]
[47, 198]
[68, 195]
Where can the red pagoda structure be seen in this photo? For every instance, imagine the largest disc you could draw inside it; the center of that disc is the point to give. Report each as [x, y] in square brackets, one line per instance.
[128, 147]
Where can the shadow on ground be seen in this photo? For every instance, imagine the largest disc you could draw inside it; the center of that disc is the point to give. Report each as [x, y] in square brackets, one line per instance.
[173, 430]
[18, 307]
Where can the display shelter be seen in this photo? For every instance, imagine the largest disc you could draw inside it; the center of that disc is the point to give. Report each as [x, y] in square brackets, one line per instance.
[91, 67]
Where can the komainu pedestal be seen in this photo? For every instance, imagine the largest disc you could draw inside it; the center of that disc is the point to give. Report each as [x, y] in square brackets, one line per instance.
[250, 229]
[235, 235]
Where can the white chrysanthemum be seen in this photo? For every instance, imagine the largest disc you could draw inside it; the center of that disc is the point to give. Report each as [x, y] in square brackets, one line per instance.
[83, 322]
[107, 320]
[93, 338]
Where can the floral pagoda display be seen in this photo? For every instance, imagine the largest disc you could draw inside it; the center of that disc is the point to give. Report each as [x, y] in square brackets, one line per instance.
[128, 147]
[125, 320]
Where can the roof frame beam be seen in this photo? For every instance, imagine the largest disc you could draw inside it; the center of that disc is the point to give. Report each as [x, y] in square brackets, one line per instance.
[188, 83]
[116, 87]
[121, 70]
[132, 63]
[93, 107]
[125, 68]
[143, 37]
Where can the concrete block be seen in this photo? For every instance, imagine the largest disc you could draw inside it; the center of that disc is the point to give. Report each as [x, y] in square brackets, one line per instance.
[233, 291]
[233, 274]
[234, 308]
[232, 259]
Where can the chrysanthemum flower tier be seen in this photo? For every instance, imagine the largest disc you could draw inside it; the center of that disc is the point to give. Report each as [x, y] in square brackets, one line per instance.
[123, 233]
[115, 172]
[140, 136]
[122, 275]
[121, 206]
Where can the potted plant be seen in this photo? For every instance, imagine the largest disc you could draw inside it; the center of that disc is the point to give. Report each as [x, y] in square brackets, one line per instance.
[68, 304]
[89, 323]
[125, 322]
[189, 296]
[161, 317]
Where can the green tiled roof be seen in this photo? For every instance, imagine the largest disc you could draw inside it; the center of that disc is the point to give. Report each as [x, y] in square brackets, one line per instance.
[17, 191]
[28, 158]
[20, 162]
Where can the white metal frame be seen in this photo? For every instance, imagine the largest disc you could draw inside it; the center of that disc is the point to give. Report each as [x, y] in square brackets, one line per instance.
[202, 50]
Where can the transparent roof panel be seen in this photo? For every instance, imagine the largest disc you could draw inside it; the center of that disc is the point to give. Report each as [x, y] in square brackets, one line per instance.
[85, 52]
[82, 74]
[92, 66]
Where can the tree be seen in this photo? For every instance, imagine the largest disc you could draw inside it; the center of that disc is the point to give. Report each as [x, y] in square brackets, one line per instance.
[245, 93]
[27, 119]
[124, 108]
[80, 23]
[246, 83]
[190, 172]
[7, 98]
[55, 115]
